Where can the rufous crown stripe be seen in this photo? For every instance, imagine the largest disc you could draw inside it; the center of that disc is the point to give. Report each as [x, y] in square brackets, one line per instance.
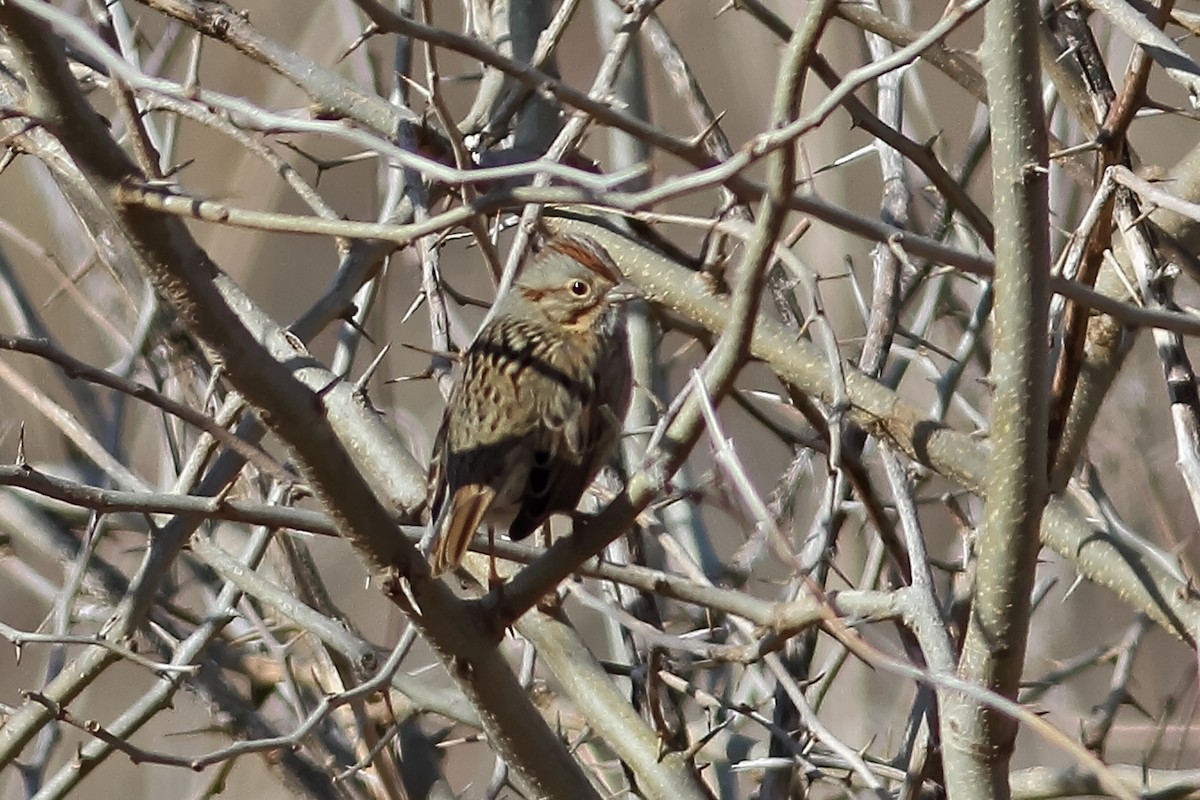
[585, 255]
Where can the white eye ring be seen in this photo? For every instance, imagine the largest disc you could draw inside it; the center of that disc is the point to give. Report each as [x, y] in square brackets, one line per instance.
[578, 288]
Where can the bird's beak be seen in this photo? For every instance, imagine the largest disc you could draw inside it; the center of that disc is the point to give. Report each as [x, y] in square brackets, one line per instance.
[623, 293]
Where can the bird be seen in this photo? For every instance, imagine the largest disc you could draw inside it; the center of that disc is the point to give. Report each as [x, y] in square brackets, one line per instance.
[539, 403]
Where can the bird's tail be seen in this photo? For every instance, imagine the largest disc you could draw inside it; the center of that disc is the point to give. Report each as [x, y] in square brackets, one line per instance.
[456, 525]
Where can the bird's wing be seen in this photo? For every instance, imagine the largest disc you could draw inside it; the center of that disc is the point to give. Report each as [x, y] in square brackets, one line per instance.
[563, 465]
[587, 420]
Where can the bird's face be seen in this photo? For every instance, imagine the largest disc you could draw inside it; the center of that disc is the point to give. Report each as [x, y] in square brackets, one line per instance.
[573, 284]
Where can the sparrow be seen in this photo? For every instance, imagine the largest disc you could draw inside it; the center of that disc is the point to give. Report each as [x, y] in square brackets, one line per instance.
[540, 401]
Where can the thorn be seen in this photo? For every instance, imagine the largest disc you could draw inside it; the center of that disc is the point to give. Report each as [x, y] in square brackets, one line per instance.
[1142, 217]
[449, 355]
[1085, 147]
[416, 87]
[412, 309]
[21, 462]
[327, 388]
[10, 155]
[1132, 702]
[323, 164]
[862, 152]
[698, 139]
[360, 386]
[371, 30]
[423, 375]
[180, 167]
[350, 322]
[220, 497]
[1070, 51]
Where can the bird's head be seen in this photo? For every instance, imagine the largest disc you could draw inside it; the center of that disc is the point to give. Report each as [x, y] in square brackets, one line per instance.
[573, 282]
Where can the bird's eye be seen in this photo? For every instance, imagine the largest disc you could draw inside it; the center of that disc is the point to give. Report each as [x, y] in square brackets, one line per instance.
[579, 288]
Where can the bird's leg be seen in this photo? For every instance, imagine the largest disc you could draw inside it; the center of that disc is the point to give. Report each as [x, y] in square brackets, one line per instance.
[495, 582]
[549, 601]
